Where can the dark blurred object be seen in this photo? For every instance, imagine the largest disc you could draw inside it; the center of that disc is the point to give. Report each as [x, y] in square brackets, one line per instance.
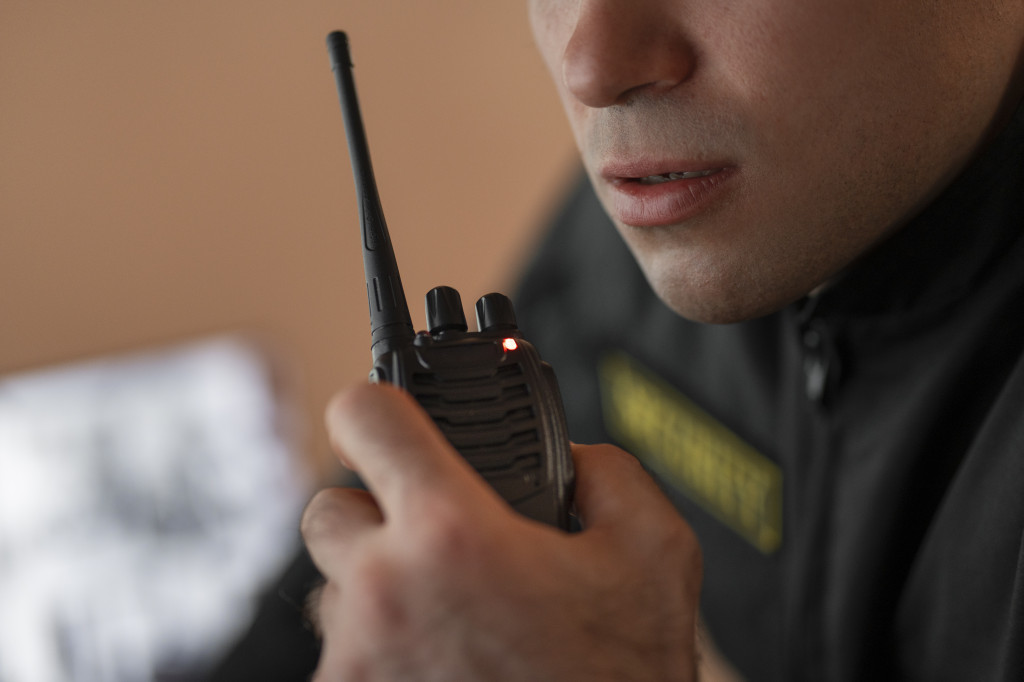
[280, 646]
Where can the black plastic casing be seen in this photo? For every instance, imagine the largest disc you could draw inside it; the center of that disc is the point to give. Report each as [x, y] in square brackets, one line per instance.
[501, 409]
[488, 391]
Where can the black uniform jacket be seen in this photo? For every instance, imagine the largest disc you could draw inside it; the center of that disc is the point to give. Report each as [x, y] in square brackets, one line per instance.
[854, 464]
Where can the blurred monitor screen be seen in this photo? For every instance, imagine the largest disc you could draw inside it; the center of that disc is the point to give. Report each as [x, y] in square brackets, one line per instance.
[144, 502]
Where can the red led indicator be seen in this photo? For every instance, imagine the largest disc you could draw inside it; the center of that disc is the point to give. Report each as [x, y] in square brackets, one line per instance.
[509, 344]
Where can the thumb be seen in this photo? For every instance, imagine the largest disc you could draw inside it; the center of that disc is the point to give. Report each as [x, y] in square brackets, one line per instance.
[382, 433]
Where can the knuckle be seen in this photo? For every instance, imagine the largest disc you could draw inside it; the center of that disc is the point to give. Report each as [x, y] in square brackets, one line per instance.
[315, 517]
[680, 550]
[312, 516]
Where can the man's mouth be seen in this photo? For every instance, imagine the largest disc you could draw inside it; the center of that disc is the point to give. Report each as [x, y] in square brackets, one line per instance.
[665, 198]
[669, 177]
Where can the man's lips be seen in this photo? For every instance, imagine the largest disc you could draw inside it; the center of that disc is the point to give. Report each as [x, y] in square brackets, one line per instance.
[649, 195]
[673, 175]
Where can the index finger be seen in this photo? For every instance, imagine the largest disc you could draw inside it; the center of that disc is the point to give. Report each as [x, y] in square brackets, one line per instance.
[382, 433]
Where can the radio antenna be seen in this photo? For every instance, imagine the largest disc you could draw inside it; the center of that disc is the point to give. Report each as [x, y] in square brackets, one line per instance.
[390, 322]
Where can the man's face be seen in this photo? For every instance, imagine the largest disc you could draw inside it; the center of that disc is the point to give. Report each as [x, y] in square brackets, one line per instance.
[749, 150]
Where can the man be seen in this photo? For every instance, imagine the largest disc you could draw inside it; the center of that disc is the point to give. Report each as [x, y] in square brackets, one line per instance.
[840, 182]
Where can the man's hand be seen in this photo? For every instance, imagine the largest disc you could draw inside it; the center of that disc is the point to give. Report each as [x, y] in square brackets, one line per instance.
[431, 576]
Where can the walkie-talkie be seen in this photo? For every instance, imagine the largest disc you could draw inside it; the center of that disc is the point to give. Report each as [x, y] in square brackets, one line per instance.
[489, 391]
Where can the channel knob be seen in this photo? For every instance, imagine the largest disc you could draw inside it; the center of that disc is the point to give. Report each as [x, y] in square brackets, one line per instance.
[494, 313]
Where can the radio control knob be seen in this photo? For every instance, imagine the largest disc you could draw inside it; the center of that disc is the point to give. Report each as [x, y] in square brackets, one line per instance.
[444, 311]
[494, 313]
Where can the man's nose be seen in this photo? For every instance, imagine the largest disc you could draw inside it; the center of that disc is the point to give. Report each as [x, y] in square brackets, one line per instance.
[620, 48]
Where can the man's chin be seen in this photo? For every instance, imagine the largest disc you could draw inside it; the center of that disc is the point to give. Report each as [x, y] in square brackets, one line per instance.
[710, 305]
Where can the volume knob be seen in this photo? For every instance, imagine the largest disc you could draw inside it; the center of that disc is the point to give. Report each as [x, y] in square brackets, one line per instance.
[444, 311]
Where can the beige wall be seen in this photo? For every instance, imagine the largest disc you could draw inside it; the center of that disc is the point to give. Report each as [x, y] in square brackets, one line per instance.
[174, 169]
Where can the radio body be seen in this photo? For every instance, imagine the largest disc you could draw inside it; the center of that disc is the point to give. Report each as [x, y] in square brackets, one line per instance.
[488, 390]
